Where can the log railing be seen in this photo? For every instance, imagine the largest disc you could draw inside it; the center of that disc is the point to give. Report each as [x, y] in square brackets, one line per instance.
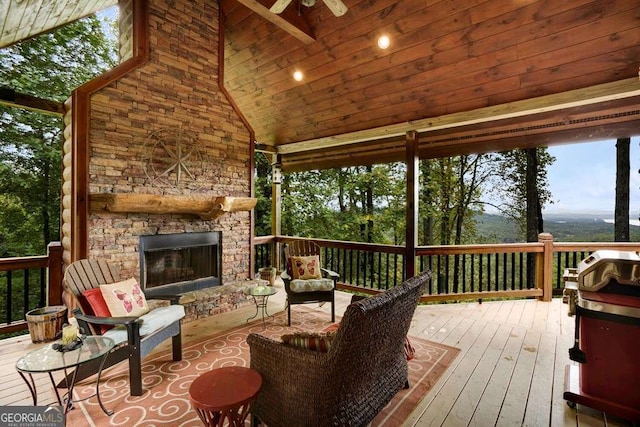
[27, 283]
[461, 272]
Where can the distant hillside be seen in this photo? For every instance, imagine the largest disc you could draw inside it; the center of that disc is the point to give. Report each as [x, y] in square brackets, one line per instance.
[563, 227]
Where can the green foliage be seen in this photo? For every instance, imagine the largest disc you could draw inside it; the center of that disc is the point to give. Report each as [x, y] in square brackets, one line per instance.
[49, 67]
[263, 182]
[510, 184]
[450, 197]
[52, 65]
[362, 204]
[367, 203]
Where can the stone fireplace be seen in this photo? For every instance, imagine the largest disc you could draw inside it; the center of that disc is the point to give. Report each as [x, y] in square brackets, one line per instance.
[180, 262]
[166, 154]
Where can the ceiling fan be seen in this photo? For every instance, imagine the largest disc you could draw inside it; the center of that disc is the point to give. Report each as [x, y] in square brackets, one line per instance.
[336, 6]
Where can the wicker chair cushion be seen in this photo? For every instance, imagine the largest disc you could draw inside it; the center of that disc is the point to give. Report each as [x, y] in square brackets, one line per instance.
[124, 298]
[306, 267]
[151, 322]
[318, 342]
[310, 285]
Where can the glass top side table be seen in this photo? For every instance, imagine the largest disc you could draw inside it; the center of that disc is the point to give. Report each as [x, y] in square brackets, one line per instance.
[48, 360]
[260, 296]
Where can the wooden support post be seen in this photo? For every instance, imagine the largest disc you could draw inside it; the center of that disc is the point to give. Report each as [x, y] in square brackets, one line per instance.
[276, 211]
[412, 203]
[54, 253]
[544, 267]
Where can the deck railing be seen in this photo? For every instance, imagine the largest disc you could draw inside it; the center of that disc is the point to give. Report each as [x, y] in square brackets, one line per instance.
[27, 283]
[459, 272]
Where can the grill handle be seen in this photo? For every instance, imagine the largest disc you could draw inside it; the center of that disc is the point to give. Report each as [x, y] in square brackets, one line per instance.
[575, 353]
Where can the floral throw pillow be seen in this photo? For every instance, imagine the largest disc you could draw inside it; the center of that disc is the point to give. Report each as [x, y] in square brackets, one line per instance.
[125, 298]
[306, 267]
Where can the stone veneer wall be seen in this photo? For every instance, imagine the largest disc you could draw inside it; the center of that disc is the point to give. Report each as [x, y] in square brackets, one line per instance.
[177, 90]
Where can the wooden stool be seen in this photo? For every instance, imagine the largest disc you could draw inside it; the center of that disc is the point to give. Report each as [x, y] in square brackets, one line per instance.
[225, 394]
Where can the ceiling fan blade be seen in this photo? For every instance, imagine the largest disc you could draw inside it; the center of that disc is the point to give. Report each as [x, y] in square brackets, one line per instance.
[279, 6]
[336, 6]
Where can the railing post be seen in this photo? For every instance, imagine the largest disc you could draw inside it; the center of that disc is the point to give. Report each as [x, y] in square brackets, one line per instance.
[544, 267]
[54, 254]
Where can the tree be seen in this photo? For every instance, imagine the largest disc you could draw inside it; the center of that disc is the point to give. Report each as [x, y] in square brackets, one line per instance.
[521, 185]
[623, 173]
[263, 192]
[48, 67]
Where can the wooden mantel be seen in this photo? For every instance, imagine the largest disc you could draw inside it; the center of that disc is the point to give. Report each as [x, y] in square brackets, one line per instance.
[206, 207]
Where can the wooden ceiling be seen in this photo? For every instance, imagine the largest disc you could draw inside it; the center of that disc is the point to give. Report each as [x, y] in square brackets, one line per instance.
[468, 75]
[23, 19]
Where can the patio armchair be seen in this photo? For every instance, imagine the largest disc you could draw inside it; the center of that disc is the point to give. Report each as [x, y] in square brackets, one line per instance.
[350, 383]
[135, 335]
[305, 281]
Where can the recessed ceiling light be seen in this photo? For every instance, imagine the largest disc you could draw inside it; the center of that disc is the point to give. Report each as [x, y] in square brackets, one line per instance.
[297, 75]
[384, 42]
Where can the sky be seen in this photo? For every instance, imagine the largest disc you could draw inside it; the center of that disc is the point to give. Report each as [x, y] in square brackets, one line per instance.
[583, 178]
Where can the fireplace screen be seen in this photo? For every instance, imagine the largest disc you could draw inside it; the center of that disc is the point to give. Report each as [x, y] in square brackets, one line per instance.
[182, 262]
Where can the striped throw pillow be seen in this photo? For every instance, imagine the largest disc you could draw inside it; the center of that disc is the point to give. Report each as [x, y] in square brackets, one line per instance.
[317, 342]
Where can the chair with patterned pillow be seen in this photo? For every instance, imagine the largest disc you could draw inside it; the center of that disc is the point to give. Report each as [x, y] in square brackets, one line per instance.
[305, 281]
[119, 310]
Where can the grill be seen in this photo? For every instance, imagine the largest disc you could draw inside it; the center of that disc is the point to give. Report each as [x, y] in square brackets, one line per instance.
[603, 294]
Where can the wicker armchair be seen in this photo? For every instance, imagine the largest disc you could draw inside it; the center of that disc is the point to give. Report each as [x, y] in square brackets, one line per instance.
[351, 383]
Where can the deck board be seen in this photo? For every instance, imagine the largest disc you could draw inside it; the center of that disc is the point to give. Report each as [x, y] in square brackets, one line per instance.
[515, 402]
[537, 412]
[493, 396]
[510, 370]
[470, 376]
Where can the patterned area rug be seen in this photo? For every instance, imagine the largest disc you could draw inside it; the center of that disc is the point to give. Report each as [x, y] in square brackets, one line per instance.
[165, 400]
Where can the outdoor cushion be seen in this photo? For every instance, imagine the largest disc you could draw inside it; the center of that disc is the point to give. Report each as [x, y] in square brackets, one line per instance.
[310, 285]
[306, 267]
[310, 341]
[124, 298]
[156, 319]
[98, 306]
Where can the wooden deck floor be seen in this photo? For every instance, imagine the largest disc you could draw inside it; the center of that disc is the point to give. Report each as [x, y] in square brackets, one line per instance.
[510, 371]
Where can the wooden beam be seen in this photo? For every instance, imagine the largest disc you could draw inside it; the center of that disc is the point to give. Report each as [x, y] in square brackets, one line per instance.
[289, 21]
[12, 98]
[206, 207]
[585, 96]
[413, 163]
[276, 209]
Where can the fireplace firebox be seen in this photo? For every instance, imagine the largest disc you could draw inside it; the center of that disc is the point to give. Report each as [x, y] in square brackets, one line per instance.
[180, 262]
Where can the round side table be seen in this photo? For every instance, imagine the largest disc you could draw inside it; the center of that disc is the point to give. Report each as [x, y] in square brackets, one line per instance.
[260, 296]
[225, 394]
